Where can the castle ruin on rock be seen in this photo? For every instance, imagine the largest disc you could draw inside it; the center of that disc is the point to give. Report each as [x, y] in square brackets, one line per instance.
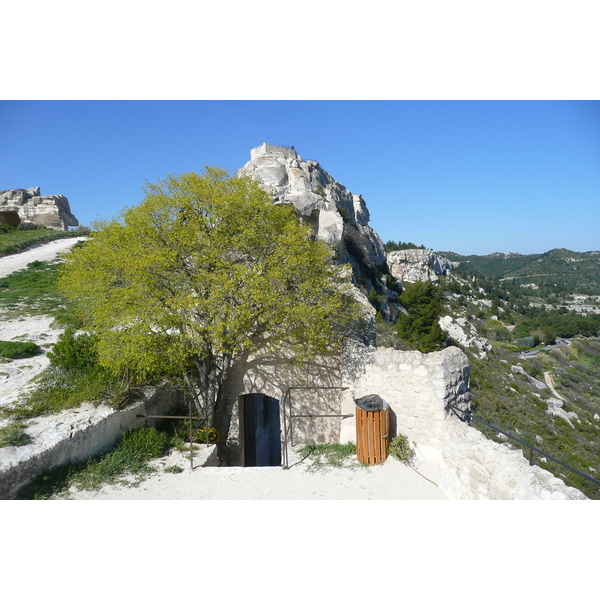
[28, 206]
[339, 217]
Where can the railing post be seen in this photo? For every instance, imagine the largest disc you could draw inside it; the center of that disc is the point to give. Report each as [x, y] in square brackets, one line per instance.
[191, 434]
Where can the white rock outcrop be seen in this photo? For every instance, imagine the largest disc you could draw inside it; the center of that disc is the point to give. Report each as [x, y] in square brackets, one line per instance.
[540, 385]
[322, 201]
[410, 266]
[477, 468]
[339, 217]
[29, 206]
[463, 332]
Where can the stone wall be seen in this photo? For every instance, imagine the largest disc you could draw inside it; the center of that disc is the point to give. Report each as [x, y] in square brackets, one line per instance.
[265, 149]
[477, 468]
[74, 436]
[272, 375]
[416, 386]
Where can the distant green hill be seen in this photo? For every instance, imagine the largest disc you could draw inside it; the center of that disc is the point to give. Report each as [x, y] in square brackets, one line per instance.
[579, 271]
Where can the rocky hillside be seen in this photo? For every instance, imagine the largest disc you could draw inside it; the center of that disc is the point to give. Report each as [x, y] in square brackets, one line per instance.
[19, 207]
[339, 217]
[547, 393]
[412, 265]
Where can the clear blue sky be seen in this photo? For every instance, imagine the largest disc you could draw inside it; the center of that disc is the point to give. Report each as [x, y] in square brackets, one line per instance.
[470, 176]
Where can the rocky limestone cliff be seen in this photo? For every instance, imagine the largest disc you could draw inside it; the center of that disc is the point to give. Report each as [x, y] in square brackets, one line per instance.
[410, 266]
[339, 218]
[29, 206]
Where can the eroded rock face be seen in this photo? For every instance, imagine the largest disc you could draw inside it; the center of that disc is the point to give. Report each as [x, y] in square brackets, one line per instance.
[339, 218]
[410, 266]
[465, 334]
[29, 206]
[323, 202]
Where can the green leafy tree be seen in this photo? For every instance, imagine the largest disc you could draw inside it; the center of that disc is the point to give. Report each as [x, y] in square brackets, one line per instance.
[420, 327]
[204, 272]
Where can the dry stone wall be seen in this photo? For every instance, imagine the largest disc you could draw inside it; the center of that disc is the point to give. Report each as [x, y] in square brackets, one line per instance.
[74, 436]
[416, 386]
[477, 468]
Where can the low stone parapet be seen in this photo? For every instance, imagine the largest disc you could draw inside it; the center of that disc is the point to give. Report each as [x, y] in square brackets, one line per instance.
[477, 468]
[74, 436]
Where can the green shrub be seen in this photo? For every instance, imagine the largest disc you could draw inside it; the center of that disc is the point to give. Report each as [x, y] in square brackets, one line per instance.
[401, 449]
[30, 227]
[213, 435]
[129, 457]
[14, 435]
[344, 212]
[14, 350]
[420, 328]
[75, 352]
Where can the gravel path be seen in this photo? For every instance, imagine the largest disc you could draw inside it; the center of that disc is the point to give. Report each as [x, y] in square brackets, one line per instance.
[16, 374]
[15, 262]
[391, 480]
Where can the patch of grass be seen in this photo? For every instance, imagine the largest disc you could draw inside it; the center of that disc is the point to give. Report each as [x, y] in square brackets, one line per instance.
[33, 291]
[130, 457]
[174, 469]
[14, 350]
[14, 435]
[15, 241]
[58, 390]
[401, 449]
[329, 455]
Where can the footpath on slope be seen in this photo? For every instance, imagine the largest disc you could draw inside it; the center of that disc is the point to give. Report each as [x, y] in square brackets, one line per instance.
[46, 252]
[16, 374]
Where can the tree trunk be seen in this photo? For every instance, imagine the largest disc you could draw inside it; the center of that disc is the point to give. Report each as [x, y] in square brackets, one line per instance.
[222, 411]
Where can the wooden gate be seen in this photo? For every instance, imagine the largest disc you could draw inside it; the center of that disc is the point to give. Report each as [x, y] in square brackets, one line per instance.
[372, 435]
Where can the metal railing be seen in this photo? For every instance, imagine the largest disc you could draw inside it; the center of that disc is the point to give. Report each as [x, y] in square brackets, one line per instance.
[189, 417]
[532, 449]
[289, 427]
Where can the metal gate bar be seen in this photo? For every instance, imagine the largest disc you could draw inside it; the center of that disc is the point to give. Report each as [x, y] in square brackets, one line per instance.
[290, 426]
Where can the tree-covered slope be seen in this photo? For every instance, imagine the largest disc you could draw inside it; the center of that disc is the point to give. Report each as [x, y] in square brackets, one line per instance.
[578, 271]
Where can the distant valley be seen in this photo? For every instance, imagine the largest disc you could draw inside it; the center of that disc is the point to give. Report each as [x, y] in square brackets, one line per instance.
[564, 270]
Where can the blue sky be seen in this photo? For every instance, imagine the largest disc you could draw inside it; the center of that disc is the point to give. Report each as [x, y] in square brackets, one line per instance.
[471, 176]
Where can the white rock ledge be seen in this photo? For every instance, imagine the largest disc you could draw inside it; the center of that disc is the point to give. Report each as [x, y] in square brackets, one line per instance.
[74, 436]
